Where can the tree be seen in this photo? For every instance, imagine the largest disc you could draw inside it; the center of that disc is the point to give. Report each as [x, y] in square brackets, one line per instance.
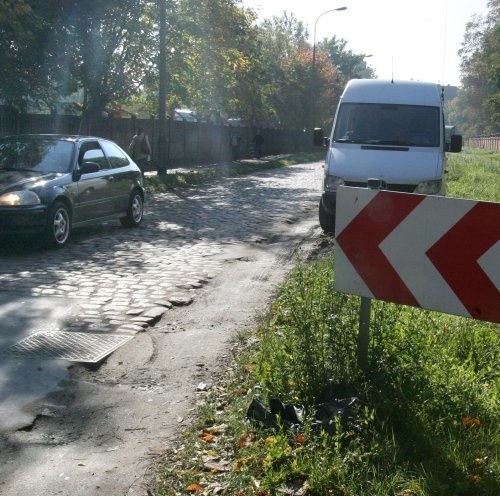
[49, 49]
[286, 62]
[213, 48]
[32, 42]
[349, 64]
[111, 46]
[480, 73]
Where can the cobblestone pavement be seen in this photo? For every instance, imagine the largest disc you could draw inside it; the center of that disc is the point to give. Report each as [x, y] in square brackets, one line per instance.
[131, 277]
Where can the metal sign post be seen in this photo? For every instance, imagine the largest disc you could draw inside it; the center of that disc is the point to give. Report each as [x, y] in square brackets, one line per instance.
[364, 332]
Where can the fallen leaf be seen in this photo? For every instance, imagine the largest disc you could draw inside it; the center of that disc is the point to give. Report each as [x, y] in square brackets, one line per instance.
[216, 430]
[249, 367]
[215, 464]
[245, 440]
[469, 422]
[207, 437]
[194, 488]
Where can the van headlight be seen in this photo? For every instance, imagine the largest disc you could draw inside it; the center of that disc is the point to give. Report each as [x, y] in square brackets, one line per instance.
[331, 183]
[19, 198]
[429, 187]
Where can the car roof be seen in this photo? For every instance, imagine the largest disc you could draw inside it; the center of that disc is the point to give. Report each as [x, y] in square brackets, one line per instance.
[55, 137]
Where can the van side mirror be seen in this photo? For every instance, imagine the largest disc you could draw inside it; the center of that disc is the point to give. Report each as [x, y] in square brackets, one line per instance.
[455, 145]
[319, 137]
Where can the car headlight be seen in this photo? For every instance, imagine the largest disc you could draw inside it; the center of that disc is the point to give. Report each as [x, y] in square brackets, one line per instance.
[333, 182]
[19, 198]
[429, 187]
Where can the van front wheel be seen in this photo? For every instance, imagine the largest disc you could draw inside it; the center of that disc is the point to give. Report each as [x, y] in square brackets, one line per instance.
[326, 221]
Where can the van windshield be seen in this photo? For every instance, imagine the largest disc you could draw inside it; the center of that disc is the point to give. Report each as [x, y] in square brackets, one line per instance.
[387, 124]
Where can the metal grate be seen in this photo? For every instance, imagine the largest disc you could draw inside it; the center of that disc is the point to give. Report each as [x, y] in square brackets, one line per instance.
[72, 346]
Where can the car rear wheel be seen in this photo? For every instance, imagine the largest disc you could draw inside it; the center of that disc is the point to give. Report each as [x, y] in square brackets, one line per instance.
[135, 211]
[58, 225]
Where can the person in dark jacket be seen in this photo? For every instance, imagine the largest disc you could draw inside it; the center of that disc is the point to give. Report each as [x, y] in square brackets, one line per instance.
[140, 149]
[258, 143]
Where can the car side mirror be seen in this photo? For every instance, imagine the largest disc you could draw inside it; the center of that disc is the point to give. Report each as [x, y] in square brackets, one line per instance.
[455, 145]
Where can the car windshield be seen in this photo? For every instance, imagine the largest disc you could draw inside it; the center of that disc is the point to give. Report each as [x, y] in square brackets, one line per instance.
[39, 155]
[383, 124]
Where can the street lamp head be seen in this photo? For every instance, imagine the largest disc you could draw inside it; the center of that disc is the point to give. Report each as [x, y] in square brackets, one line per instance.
[340, 8]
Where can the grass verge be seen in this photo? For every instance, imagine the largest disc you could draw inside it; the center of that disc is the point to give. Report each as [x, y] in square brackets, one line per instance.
[425, 420]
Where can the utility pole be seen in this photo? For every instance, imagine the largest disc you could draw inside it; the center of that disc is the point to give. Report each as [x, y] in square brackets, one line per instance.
[162, 94]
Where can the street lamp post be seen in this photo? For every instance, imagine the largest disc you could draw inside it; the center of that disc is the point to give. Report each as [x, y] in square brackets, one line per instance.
[313, 66]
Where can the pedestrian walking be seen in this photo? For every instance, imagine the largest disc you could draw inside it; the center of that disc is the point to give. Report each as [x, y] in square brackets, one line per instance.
[258, 142]
[235, 146]
[140, 149]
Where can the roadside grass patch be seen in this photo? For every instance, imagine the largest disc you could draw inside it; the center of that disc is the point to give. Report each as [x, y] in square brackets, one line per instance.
[474, 174]
[427, 421]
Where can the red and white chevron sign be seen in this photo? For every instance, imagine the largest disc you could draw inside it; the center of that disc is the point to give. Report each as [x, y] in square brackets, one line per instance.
[426, 251]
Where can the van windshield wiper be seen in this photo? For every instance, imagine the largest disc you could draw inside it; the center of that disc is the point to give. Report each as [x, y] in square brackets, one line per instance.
[390, 142]
[348, 140]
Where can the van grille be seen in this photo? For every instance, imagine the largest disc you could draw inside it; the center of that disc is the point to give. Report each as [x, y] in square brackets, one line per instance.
[402, 188]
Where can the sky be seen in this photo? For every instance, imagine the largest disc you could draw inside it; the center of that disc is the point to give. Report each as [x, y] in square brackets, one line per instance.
[407, 39]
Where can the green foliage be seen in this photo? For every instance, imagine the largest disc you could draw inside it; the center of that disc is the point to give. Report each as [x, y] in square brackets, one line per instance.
[480, 69]
[300, 344]
[219, 62]
[474, 174]
[49, 49]
[111, 46]
[32, 64]
[348, 65]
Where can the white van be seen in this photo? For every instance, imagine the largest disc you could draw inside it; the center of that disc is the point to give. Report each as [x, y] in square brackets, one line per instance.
[385, 135]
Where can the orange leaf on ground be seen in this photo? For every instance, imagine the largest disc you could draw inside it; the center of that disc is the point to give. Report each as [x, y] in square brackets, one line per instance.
[474, 479]
[194, 488]
[245, 440]
[469, 421]
[249, 367]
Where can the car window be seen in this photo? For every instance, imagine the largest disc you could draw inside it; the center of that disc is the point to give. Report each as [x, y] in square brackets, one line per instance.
[41, 155]
[91, 152]
[116, 157]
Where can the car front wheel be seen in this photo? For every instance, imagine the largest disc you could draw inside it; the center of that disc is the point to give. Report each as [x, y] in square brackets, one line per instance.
[58, 225]
[134, 212]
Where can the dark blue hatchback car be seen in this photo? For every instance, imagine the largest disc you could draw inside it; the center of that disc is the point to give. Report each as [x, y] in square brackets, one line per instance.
[51, 183]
